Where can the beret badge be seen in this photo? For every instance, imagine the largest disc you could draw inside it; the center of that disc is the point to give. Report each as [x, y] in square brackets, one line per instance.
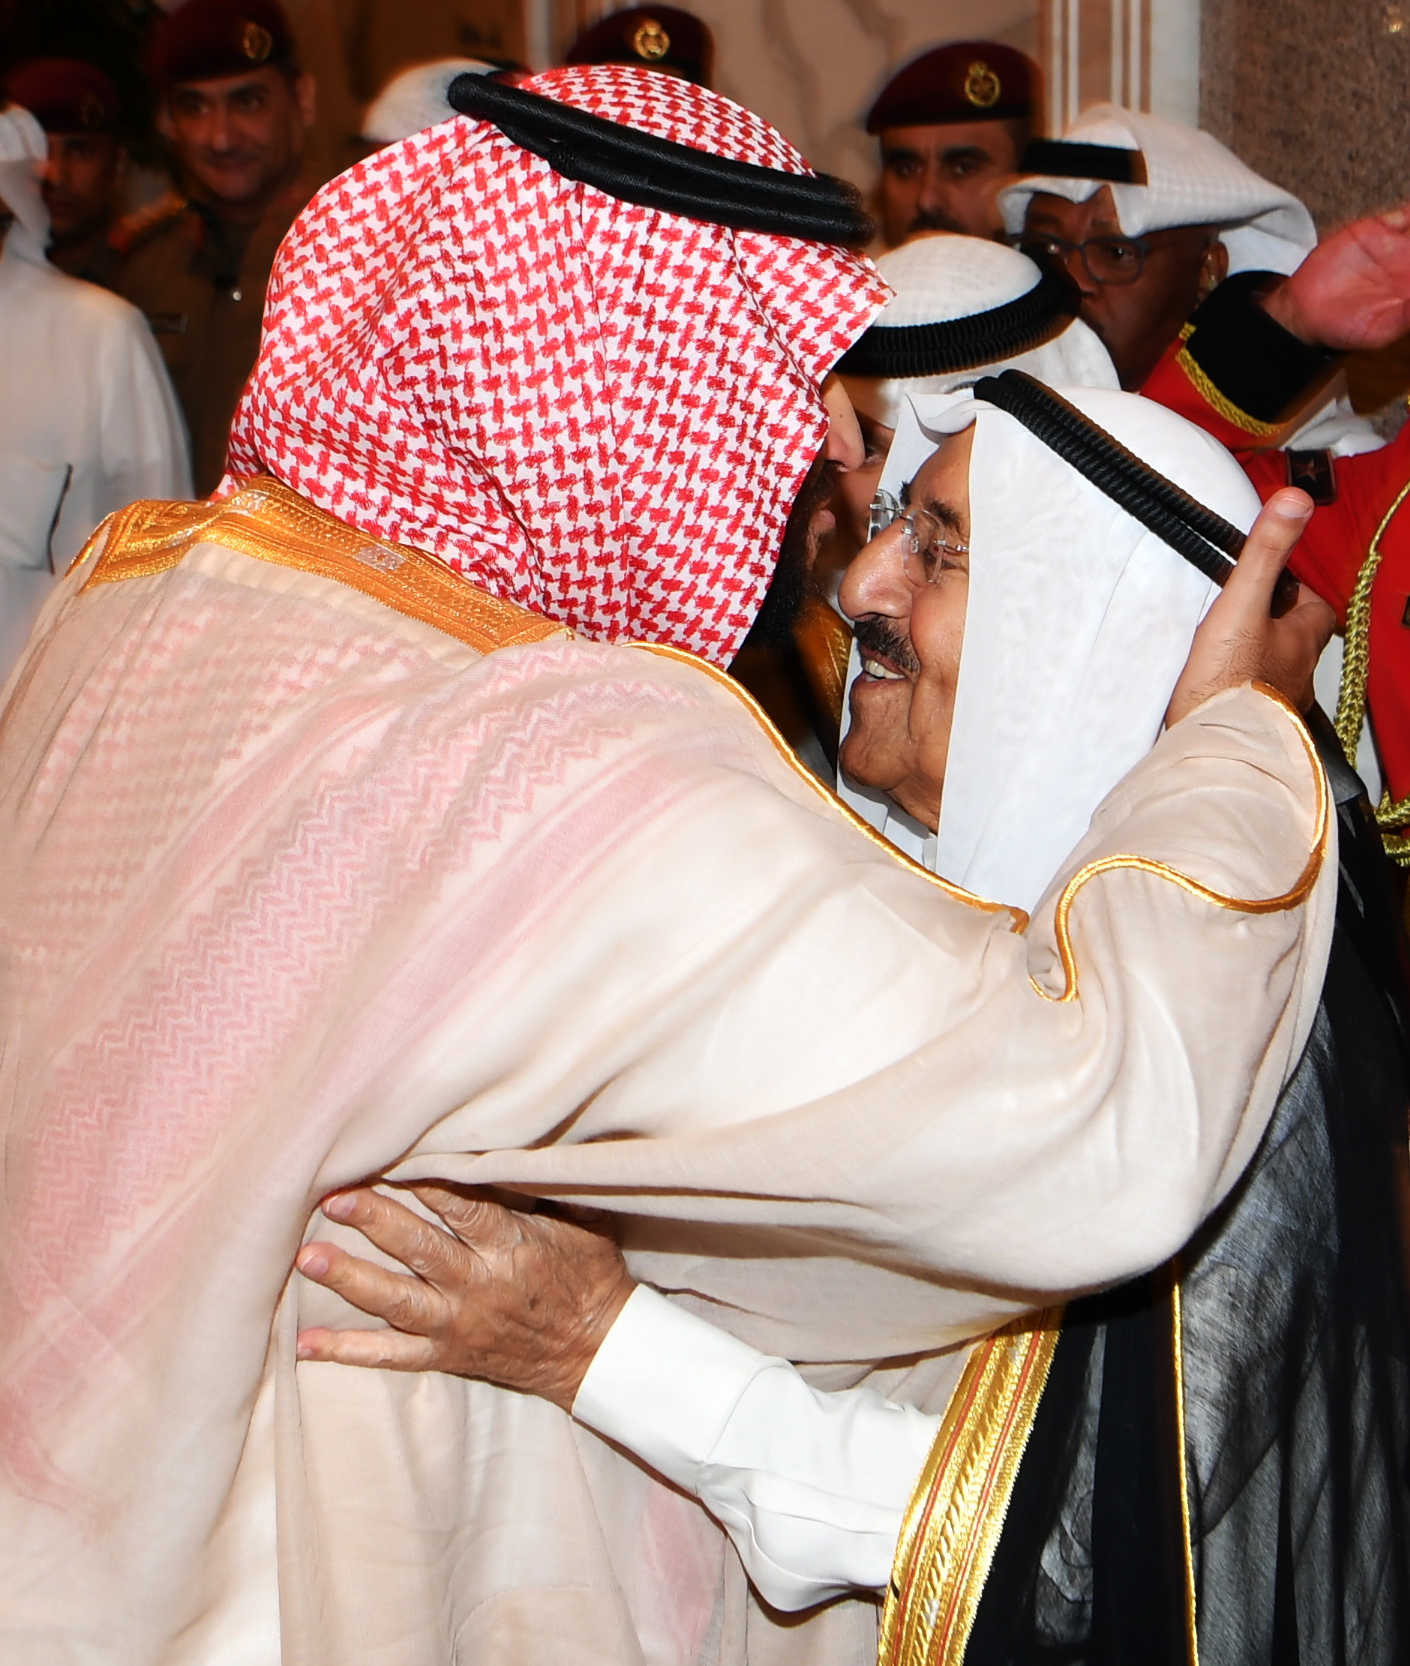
[981, 86]
[256, 42]
[91, 112]
[651, 41]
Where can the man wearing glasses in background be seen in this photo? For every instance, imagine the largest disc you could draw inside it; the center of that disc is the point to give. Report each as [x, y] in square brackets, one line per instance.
[1183, 257]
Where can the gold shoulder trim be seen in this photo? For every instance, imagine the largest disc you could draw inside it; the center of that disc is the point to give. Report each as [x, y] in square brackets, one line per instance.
[801, 770]
[134, 228]
[1161, 870]
[1392, 815]
[954, 1520]
[1216, 400]
[269, 522]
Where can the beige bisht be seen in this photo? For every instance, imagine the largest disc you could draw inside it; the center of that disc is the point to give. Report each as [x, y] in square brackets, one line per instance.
[320, 863]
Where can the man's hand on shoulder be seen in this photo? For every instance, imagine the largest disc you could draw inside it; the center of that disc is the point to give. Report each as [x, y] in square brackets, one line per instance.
[1239, 640]
[522, 1300]
[1353, 291]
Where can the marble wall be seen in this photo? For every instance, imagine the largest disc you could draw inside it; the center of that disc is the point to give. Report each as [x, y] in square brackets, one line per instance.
[1313, 93]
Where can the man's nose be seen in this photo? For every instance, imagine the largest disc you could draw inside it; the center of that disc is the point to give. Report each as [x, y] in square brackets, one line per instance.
[1076, 268]
[934, 195]
[220, 133]
[875, 580]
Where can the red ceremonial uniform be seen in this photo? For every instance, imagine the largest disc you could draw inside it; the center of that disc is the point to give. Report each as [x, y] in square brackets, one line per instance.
[1355, 552]
[1356, 555]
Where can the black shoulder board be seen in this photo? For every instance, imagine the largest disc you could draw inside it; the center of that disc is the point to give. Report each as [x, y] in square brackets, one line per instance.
[1312, 472]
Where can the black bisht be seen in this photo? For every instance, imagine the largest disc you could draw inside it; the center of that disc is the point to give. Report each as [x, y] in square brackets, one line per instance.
[1296, 1381]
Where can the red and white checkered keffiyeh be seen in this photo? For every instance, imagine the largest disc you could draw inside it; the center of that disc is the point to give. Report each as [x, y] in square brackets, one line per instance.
[597, 410]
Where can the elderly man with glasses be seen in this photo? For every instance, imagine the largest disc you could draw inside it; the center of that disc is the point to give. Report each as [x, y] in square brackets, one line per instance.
[1206, 1462]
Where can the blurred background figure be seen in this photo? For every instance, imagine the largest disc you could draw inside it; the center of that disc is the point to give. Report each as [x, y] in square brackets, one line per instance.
[87, 417]
[235, 109]
[79, 109]
[953, 127]
[416, 99]
[652, 37]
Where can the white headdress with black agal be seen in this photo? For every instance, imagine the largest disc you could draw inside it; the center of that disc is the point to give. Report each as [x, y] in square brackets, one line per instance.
[965, 307]
[416, 99]
[23, 150]
[1179, 176]
[1078, 623]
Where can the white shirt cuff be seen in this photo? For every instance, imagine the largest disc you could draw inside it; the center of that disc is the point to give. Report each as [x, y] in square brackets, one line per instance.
[812, 1487]
[663, 1384]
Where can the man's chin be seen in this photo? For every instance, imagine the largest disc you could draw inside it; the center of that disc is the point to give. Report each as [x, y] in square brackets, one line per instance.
[235, 185]
[878, 709]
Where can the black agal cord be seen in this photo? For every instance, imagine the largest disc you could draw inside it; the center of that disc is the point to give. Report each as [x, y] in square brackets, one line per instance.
[1069, 159]
[902, 350]
[659, 173]
[1205, 539]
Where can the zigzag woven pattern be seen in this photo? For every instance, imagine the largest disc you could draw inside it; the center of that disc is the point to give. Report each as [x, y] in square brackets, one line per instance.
[282, 806]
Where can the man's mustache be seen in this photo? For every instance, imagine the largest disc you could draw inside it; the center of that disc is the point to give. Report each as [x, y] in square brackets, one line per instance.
[879, 638]
[927, 221]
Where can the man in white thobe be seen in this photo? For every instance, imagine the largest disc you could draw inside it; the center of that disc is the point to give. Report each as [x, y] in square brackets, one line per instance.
[88, 420]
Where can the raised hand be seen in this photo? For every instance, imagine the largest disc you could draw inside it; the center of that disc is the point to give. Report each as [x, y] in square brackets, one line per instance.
[522, 1300]
[1239, 641]
[1353, 291]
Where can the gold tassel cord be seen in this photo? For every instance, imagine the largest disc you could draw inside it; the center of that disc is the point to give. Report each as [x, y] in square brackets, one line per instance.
[1392, 815]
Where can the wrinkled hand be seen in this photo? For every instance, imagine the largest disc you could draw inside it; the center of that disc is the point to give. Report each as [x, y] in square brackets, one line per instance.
[1239, 641]
[518, 1299]
[1353, 291]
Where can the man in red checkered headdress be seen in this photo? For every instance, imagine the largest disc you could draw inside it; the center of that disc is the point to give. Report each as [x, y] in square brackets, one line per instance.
[390, 814]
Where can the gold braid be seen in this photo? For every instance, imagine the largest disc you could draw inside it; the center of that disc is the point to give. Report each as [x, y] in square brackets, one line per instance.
[1392, 815]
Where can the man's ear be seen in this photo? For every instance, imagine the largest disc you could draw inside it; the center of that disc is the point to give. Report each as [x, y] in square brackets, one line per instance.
[1213, 268]
[306, 96]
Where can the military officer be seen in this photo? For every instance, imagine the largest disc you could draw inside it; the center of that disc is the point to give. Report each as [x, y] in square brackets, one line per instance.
[952, 126]
[78, 107]
[235, 110]
[651, 37]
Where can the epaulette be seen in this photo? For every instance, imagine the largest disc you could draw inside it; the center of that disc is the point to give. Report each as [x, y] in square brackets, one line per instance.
[138, 226]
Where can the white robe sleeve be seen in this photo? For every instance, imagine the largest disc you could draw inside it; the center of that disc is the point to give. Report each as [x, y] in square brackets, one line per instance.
[136, 446]
[811, 1486]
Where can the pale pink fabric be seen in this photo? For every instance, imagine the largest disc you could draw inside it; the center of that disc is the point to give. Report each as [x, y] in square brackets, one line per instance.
[597, 410]
[293, 889]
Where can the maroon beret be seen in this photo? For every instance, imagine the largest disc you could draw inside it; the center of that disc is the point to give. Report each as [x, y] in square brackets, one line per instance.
[65, 96]
[968, 80]
[655, 37]
[204, 40]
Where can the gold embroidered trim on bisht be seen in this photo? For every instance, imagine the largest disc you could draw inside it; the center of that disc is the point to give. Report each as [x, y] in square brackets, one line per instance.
[267, 521]
[801, 770]
[1177, 1341]
[952, 1526]
[1392, 815]
[1216, 400]
[1062, 920]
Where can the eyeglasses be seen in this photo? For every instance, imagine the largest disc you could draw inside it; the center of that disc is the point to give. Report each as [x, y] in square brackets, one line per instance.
[1113, 260]
[924, 541]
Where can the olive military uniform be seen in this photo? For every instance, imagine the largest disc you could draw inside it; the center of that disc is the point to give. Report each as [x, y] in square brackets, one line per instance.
[96, 259]
[202, 291]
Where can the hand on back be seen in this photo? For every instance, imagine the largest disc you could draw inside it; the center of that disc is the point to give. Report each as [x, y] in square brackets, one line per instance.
[522, 1300]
